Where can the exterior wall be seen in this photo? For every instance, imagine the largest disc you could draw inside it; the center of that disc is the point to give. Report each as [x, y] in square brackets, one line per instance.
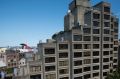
[88, 50]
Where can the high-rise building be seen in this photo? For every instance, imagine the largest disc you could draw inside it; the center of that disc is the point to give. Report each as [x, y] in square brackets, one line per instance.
[88, 46]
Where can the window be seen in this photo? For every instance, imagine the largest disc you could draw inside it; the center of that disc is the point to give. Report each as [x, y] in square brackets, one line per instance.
[78, 78]
[111, 58]
[87, 46]
[65, 78]
[49, 59]
[105, 74]
[105, 59]
[77, 46]
[87, 30]
[87, 76]
[95, 46]
[111, 45]
[63, 71]
[77, 71]
[116, 30]
[49, 51]
[96, 60]
[115, 60]
[106, 31]
[106, 67]
[96, 31]
[63, 63]
[106, 17]
[107, 9]
[96, 15]
[87, 38]
[87, 61]
[51, 76]
[77, 37]
[77, 54]
[115, 36]
[63, 46]
[115, 42]
[78, 63]
[106, 24]
[106, 38]
[106, 45]
[86, 69]
[63, 55]
[96, 67]
[106, 53]
[96, 23]
[115, 66]
[87, 53]
[49, 68]
[95, 74]
[95, 53]
[96, 38]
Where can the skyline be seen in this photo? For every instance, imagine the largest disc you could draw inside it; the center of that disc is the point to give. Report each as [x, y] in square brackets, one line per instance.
[24, 21]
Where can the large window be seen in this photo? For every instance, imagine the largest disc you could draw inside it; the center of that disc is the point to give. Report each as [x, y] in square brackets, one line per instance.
[95, 53]
[106, 67]
[78, 63]
[96, 15]
[87, 76]
[96, 23]
[96, 38]
[77, 71]
[106, 53]
[63, 46]
[51, 76]
[95, 74]
[107, 9]
[95, 46]
[106, 31]
[87, 38]
[77, 37]
[49, 68]
[106, 45]
[77, 54]
[106, 38]
[78, 77]
[63, 71]
[86, 69]
[106, 17]
[87, 61]
[96, 31]
[87, 53]
[105, 59]
[96, 67]
[106, 24]
[87, 30]
[65, 78]
[96, 60]
[77, 46]
[49, 59]
[63, 63]
[49, 51]
[87, 46]
[63, 55]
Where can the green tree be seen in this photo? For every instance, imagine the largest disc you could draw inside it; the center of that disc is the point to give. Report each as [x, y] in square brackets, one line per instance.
[114, 75]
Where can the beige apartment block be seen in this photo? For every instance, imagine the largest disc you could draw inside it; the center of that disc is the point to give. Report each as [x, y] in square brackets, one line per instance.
[88, 46]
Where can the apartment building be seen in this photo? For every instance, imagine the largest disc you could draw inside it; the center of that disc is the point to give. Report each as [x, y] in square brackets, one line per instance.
[88, 46]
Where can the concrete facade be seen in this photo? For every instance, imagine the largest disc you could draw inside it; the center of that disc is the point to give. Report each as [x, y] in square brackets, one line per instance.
[88, 46]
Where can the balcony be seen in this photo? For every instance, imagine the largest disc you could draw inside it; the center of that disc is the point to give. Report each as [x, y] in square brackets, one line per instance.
[96, 16]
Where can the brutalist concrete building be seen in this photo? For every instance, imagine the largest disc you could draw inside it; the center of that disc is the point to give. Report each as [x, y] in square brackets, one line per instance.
[88, 46]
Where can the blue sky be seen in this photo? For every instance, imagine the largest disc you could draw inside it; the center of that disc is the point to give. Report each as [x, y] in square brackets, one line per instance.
[28, 21]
